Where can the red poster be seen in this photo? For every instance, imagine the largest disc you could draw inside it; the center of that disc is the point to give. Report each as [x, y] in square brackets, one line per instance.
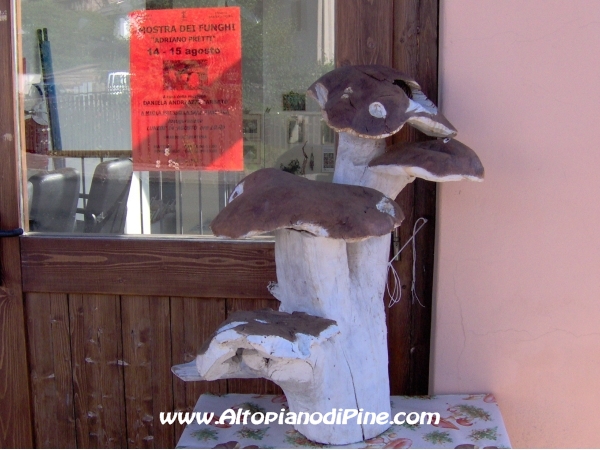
[186, 89]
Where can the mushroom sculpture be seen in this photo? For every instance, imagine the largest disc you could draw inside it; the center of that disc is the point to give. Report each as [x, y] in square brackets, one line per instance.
[332, 244]
[313, 222]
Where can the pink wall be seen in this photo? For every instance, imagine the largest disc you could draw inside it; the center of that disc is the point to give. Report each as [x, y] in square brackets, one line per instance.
[517, 290]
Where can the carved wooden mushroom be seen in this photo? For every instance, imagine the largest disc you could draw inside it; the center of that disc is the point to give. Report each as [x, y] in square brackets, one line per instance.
[366, 104]
[437, 160]
[297, 351]
[332, 241]
[313, 223]
[271, 199]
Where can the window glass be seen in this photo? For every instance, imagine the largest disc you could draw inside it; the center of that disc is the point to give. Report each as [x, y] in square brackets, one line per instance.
[76, 103]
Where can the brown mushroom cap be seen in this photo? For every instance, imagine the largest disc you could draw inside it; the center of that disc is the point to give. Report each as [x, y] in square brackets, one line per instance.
[436, 160]
[375, 102]
[271, 199]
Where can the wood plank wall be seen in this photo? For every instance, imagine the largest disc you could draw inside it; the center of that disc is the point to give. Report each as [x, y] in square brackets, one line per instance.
[107, 317]
[100, 364]
[415, 52]
[15, 413]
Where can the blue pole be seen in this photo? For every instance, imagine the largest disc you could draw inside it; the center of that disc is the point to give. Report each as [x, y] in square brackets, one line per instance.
[49, 88]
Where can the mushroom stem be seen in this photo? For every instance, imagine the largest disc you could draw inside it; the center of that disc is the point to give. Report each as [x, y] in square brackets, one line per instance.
[353, 156]
[312, 273]
[362, 320]
[388, 184]
[352, 165]
[342, 282]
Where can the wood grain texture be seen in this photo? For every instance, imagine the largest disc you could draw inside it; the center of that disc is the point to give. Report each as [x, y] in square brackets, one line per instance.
[100, 365]
[51, 373]
[415, 52]
[152, 267]
[252, 385]
[192, 322]
[15, 410]
[147, 366]
[363, 32]
[399, 316]
[425, 206]
[97, 360]
[415, 48]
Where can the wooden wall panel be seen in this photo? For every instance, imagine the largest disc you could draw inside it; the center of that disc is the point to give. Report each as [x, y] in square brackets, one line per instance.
[97, 359]
[101, 365]
[415, 49]
[415, 52]
[192, 322]
[147, 366]
[15, 411]
[51, 373]
[252, 385]
[425, 206]
[144, 266]
[363, 32]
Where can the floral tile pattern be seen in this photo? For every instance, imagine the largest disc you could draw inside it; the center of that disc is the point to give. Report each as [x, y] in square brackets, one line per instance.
[466, 421]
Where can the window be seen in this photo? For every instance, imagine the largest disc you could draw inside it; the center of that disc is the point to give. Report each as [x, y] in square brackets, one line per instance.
[76, 91]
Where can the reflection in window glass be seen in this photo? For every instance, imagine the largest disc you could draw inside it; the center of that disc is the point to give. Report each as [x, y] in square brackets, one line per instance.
[75, 91]
[75, 97]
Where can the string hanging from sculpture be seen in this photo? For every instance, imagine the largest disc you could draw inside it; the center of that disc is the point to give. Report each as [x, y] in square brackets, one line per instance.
[396, 293]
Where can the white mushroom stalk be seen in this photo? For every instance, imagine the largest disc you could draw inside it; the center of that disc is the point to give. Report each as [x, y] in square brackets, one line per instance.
[322, 277]
[354, 153]
[353, 156]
